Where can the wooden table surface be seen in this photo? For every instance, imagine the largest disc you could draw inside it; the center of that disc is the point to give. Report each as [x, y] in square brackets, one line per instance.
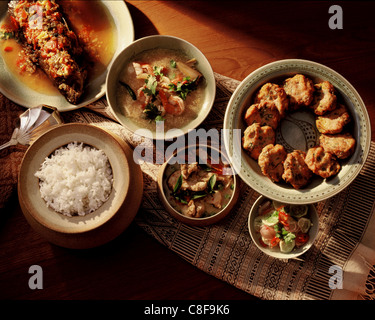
[237, 37]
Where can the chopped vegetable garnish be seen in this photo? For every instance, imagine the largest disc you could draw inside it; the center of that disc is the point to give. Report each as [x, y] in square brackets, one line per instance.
[212, 182]
[173, 64]
[152, 112]
[5, 35]
[280, 229]
[184, 87]
[178, 184]
[151, 84]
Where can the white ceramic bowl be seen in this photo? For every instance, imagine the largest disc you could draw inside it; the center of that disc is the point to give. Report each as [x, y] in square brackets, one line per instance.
[203, 221]
[276, 253]
[165, 42]
[100, 226]
[249, 170]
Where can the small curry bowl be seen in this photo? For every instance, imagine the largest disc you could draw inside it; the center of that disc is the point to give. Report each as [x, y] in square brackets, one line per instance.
[107, 221]
[198, 186]
[123, 87]
[275, 252]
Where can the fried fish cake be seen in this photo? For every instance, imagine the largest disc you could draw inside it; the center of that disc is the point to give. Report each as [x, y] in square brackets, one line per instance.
[275, 93]
[271, 161]
[256, 137]
[341, 145]
[324, 98]
[300, 91]
[265, 113]
[296, 171]
[333, 122]
[321, 162]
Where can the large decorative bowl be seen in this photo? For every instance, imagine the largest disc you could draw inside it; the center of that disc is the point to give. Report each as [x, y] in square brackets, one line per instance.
[296, 130]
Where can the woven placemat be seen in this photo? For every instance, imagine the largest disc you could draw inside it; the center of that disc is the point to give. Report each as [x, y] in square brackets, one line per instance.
[10, 158]
[338, 266]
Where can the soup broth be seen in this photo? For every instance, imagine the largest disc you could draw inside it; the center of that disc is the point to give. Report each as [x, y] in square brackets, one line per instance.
[134, 108]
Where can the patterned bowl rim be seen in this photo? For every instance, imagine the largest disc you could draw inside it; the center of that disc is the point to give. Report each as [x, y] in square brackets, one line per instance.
[249, 170]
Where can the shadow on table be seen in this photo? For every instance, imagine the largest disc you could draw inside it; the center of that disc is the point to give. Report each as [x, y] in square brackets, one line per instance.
[143, 27]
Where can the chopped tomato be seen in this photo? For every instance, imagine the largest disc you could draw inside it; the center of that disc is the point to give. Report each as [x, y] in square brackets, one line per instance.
[23, 14]
[274, 242]
[15, 25]
[48, 5]
[283, 217]
[8, 49]
[21, 64]
[216, 167]
[60, 29]
[7, 28]
[164, 70]
[60, 45]
[301, 238]
[51, 45]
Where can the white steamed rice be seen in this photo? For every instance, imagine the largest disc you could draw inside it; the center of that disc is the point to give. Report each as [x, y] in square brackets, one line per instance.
[75, 179]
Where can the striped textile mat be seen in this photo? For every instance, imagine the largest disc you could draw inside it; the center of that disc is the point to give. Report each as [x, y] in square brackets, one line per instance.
[340, 264]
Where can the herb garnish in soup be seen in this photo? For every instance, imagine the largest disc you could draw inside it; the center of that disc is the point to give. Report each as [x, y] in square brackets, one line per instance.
[283, 226]
[199, 189]
[161, 85]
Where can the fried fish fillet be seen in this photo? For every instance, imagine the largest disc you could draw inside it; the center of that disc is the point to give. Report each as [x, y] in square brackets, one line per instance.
[45, 34]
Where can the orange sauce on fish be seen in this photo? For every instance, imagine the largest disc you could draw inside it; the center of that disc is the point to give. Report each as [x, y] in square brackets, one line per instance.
[95, 28]
[38, 81]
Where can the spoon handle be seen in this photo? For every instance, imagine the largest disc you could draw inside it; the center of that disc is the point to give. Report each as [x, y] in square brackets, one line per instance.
[8, 144]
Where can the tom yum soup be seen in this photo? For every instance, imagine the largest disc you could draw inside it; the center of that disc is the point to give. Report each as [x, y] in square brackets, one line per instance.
[199, 189]
[161, 85]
